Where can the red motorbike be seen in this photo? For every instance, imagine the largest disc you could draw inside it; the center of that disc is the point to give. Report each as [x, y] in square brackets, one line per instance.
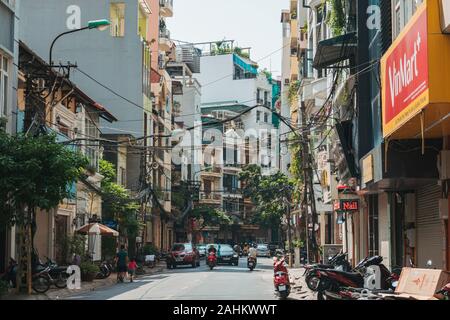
[332, 282]
[281, 280]
[211, 260]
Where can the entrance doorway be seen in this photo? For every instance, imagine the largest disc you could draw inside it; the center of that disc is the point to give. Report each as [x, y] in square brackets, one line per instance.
[60, 238]
[397, 225]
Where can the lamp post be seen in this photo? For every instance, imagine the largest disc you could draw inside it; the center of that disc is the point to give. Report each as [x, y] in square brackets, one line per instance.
[100, 25]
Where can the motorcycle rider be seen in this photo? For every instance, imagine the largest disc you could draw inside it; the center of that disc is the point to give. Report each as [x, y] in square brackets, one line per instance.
[252, 253]
[213, 249]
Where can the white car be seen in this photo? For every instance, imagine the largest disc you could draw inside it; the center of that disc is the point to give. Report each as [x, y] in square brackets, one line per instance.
[262, 250]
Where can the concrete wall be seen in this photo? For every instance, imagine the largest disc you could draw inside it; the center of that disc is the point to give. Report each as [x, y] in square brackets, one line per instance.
[220, 67]
[114, 61]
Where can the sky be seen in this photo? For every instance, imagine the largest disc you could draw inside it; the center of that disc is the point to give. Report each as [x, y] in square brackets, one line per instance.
[251, 23]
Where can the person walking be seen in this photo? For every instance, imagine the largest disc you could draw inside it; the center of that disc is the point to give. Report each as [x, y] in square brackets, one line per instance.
[132, 266]
[121, 263]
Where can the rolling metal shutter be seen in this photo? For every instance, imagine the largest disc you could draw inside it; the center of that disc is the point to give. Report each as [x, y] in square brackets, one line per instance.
[429, 226]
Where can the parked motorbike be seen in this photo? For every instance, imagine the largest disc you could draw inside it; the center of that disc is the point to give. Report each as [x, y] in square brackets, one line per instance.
[251, 263]
[211, 260]
[338, 261]
[105, 271]
[281, 280]
[332, 281]
[57, 274]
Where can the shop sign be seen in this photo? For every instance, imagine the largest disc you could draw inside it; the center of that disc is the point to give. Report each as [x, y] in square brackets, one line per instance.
[346, 205]
[404, 74]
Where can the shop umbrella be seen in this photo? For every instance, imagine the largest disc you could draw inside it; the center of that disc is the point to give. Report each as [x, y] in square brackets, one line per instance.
[97, 229]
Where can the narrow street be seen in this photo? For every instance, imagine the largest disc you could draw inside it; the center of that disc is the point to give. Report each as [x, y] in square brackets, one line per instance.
[185, 283]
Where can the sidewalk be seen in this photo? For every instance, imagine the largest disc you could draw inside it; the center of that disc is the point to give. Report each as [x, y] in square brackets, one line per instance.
[299, 290]
[56, 294]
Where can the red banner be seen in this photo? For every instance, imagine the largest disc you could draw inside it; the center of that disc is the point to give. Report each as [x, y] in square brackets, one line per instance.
[405, 74]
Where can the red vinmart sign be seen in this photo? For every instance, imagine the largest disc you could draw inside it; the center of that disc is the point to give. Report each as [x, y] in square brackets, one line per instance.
[404, 71]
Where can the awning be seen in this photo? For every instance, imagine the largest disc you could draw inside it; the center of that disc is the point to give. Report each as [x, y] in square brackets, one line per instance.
[246, 64]
[334, 50]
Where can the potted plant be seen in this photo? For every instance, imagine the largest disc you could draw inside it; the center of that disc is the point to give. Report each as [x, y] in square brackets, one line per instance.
[88, 271]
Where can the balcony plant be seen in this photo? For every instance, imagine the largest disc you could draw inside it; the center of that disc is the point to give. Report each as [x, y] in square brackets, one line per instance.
[336, 17]
[293, 91]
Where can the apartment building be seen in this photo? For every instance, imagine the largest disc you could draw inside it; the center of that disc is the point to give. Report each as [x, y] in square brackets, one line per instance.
[249, 138]
[9, 54]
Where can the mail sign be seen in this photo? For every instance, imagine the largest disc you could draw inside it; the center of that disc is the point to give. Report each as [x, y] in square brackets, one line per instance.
[404, 74]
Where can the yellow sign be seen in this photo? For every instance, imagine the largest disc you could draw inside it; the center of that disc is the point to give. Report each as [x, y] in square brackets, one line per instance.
[368, 168]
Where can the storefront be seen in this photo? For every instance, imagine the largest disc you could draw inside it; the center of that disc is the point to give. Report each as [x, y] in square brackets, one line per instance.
[416, 122]
[429, 227]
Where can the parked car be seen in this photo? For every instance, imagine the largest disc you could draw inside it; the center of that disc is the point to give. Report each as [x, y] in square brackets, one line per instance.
[263, 250]
[202, 250]
[183, 254]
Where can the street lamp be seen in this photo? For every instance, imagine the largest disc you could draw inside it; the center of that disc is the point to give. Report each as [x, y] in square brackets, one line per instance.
[100, 25]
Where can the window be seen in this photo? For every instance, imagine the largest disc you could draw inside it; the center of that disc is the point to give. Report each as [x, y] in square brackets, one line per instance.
[4, 64]
[258, 96]
[266, 96]
[117, 18]
[92, 148]
[142, 23]
[258, 116]
[403, 11]
[230, 183]
[122, 176]
[266, 117]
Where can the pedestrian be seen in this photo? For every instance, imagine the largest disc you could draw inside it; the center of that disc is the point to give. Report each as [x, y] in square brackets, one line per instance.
[132, 266]
[121, 263]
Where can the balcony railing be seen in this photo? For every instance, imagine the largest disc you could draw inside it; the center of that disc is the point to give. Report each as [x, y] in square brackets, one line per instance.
[215, 196]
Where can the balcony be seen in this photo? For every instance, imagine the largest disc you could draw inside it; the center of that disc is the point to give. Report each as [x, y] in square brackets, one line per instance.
[215, 172]
[210, 197]
[232, 167]
[164, 40]
[166, 8]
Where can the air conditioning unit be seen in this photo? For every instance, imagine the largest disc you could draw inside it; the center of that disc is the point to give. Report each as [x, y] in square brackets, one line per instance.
[444, 165]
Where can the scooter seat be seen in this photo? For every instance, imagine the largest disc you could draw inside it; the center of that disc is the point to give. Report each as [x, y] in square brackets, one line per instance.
[353, 276]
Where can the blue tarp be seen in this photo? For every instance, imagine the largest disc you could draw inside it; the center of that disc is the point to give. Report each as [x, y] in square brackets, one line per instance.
[244, 65]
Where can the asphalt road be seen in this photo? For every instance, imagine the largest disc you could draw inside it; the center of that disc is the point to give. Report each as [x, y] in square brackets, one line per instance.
[186, 283]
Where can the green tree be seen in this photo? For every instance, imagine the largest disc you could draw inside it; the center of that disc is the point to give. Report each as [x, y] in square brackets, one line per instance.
[35, 172]
[267, 194]
[118, 205]
[211, 216]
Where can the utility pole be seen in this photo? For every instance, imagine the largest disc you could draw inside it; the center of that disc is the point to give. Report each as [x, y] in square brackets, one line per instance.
[308, 186]
[289, 236]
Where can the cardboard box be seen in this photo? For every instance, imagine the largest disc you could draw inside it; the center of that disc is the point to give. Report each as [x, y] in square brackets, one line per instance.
[421, 284]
